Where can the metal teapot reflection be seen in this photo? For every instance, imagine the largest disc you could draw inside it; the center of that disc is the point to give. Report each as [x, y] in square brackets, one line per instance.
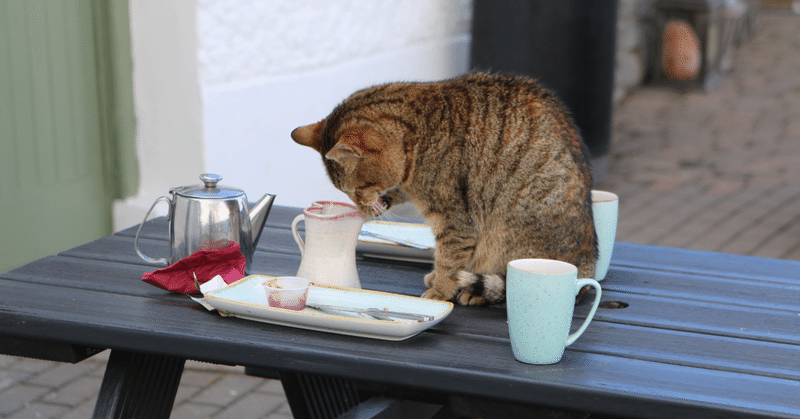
[208, 216]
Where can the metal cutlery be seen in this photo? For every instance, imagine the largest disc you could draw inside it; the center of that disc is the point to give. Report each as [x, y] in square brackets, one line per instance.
[377, 313]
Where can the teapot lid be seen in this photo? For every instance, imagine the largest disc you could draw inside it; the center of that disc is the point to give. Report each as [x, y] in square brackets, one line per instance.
[209, 190]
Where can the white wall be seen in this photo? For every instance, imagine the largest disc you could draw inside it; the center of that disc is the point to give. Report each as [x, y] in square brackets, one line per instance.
[166, 92]
[269, 67]
[219, 85]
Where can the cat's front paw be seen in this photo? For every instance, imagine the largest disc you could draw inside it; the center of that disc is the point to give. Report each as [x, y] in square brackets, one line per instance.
[466, 299]
[440, 286]
[434, 294]
[429, 279]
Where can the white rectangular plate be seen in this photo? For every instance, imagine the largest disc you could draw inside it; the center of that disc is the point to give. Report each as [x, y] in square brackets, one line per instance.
[246, 299]
[416, 232]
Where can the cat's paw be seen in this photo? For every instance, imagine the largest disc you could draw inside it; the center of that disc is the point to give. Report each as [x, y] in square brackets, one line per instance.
[466, 299]
[434, 294]
[429, 279]
[440, 286]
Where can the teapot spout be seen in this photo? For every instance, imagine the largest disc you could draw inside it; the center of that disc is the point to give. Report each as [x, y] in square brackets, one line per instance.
[258, 217]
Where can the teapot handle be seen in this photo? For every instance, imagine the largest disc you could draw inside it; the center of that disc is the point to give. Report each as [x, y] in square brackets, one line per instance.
[296, 235]
[136, 240]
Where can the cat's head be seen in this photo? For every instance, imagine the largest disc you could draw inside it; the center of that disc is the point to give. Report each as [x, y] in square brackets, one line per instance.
[364, 160]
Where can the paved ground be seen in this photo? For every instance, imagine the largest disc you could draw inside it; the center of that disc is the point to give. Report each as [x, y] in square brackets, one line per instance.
[716, 171]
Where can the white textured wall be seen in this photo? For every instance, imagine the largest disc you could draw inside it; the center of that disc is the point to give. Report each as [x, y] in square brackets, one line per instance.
[266, 67]
[246, 39]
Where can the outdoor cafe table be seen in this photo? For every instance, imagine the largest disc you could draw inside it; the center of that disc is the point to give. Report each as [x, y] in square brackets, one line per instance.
[704, 335]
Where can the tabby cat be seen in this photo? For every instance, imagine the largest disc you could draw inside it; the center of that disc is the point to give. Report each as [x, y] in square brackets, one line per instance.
[494, 163]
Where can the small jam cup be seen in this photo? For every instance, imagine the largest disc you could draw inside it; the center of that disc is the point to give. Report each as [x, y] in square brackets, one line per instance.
[288, 292]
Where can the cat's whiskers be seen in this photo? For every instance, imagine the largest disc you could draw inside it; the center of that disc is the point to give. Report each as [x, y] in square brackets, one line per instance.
[377, 207]
[389, 216]
[379, 212]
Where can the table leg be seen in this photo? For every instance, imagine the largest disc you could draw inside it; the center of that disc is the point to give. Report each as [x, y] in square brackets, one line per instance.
[138, 386]
[318, 397]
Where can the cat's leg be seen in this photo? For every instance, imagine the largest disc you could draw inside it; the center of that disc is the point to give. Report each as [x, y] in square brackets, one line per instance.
[455, 245]
[441, 282]
[428, 280]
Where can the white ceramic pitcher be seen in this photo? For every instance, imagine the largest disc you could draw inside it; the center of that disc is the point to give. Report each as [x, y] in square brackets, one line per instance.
[328, 255]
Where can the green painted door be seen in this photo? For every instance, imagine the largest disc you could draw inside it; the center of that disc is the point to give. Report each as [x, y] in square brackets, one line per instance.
[66, 117]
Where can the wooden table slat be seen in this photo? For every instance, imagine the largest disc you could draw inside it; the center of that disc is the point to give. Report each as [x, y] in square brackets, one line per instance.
[690, 349]
[698, 262]
[701, 317]
[719, 289]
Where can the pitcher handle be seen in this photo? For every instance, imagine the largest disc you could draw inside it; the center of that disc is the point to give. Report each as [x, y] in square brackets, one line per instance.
[136, 240]
[296, 235]
[580, 284]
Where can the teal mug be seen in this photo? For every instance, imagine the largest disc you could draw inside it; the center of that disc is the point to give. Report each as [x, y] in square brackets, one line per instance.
[540, 298]
[605, 210]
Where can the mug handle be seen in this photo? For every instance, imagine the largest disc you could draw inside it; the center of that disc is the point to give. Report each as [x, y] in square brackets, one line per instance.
[296, 235]
[580, 284]
[136, 240]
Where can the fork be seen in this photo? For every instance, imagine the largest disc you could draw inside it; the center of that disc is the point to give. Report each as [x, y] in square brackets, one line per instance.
[375, 312]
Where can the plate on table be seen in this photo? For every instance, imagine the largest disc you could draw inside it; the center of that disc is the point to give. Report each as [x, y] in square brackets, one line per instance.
[417, 233]
[247, 299]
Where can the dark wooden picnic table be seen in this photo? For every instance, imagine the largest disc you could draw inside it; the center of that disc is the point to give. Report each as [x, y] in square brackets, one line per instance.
[703, 335]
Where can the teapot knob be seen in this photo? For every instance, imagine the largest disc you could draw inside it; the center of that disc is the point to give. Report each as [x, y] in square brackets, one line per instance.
[210, 179]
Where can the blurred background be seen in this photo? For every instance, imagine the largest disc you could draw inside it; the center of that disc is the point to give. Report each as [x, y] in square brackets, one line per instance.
[106, 105]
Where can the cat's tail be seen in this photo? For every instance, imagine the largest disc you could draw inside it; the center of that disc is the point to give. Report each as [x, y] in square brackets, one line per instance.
[492, 287]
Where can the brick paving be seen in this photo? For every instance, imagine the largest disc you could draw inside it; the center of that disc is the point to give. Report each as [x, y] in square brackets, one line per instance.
[43, 389]
[716, 171]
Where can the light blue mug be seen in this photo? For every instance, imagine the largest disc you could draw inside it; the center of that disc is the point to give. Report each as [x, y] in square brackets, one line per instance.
[605, 210]
[540, 298]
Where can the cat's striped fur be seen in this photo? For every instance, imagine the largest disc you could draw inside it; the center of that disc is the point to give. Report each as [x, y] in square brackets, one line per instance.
[494, 164]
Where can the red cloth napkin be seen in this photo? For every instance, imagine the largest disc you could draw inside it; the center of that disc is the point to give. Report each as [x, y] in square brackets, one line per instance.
[227, 262]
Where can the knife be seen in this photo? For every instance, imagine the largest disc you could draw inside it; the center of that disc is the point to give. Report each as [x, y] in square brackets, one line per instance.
[375, 312]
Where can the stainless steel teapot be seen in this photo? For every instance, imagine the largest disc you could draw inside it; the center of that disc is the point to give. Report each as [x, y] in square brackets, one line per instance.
[208, 216]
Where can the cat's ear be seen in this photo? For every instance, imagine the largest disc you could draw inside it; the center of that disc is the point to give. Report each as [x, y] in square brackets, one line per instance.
[350, 146]
[343, 153]
[309, 135]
